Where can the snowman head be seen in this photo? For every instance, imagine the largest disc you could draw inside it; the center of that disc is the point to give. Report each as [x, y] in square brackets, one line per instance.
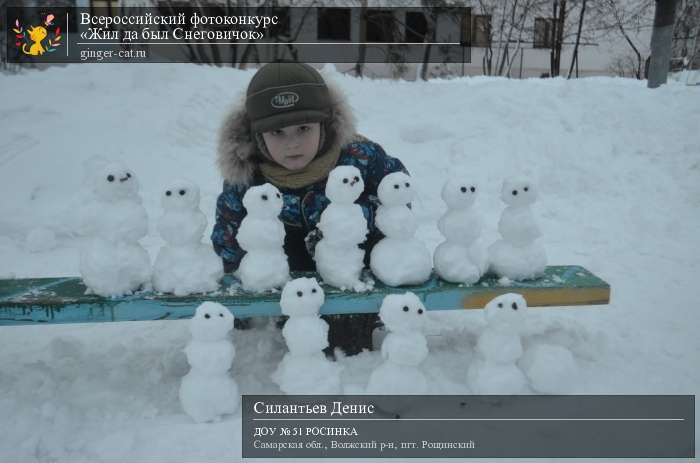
[211, 322]
[302, 296]
[181, 195]
[518, 192]
[395, 190]
[459, 193]
[506, 311]
[112, 181]
[344, 185]
[263, 201]
[402, 313]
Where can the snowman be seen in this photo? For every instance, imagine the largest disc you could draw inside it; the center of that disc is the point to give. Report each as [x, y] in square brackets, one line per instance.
[518, 255]
[305, 369]
[184, 265]
[404, 348]
[261, 235]
[338, 258]
[208, 391]
[460, 258]
[550, 369]
[494, 370]
[112, 262]
[399, 258]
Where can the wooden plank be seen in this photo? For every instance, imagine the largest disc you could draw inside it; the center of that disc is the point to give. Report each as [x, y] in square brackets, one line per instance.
[63, 300]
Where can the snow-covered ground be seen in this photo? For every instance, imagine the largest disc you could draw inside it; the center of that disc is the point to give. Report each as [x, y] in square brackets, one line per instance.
[618, 168]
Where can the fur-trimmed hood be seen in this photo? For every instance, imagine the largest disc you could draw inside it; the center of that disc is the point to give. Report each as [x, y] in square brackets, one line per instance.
[238, 154]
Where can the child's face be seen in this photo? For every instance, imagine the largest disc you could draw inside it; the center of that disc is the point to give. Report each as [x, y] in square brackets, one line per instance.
[294, 146]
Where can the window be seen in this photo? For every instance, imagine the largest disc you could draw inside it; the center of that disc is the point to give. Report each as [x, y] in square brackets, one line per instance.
[333, 23]
[465, 36]
[416, 27]
[168, 8]
[543, 32]
[481, 30]
[380, 26]
[282, 28]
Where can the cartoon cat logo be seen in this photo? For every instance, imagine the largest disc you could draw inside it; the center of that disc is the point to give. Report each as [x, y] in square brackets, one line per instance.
[30, 41]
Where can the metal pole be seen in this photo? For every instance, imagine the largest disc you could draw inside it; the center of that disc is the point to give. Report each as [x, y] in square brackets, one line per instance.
[661, 39]
[522, 50]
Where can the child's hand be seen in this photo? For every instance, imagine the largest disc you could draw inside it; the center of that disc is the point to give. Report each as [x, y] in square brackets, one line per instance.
[312, 239]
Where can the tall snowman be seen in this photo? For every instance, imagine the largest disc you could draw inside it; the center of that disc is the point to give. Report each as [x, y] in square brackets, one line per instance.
[208, 391]
[518, 255]
[460, 258]
[184, 265]
[261, 235]
[305, 369]
[494, 371]
[399, 258]
[338, 258]
[112, 262]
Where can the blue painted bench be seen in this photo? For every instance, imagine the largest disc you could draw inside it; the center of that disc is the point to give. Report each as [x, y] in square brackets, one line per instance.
[63, 300]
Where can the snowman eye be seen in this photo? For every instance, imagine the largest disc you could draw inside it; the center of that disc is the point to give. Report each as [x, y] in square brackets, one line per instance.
[526, 188]
[110, 178]
[182, 192]
[515, 192]
[264, 197]
[128, 175]
[168, 193]
[408, 185]
[278, 195]
[420, 311]
[206, 315]
[313, 290]
[500, 305]
[514, 306]
[356, 178]
[299, 293]
[405, 308]
[345, 180]
[463, 189]
[396, 187]
[472, 189]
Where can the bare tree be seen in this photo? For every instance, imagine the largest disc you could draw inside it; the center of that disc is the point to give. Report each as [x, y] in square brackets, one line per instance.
[574, 56]
[686, 32]
[661, 42]
[510, 33]
[559, 14]
[624, 19]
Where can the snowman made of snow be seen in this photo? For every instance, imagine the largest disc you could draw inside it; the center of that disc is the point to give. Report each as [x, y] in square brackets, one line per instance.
[305, 369]
[208, 391]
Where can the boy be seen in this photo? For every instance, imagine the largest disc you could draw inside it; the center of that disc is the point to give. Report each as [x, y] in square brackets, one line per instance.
[291, 130]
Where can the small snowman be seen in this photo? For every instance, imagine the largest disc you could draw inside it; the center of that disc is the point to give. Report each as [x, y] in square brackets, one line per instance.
[261, 235]
[404, 348]
[208, 391]
[550, 369]
[494, 370]
[112, 262]
[338, 258]
[399, 258]
[184, 265]
[518, 255]
[305, 369]
[460, 258]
